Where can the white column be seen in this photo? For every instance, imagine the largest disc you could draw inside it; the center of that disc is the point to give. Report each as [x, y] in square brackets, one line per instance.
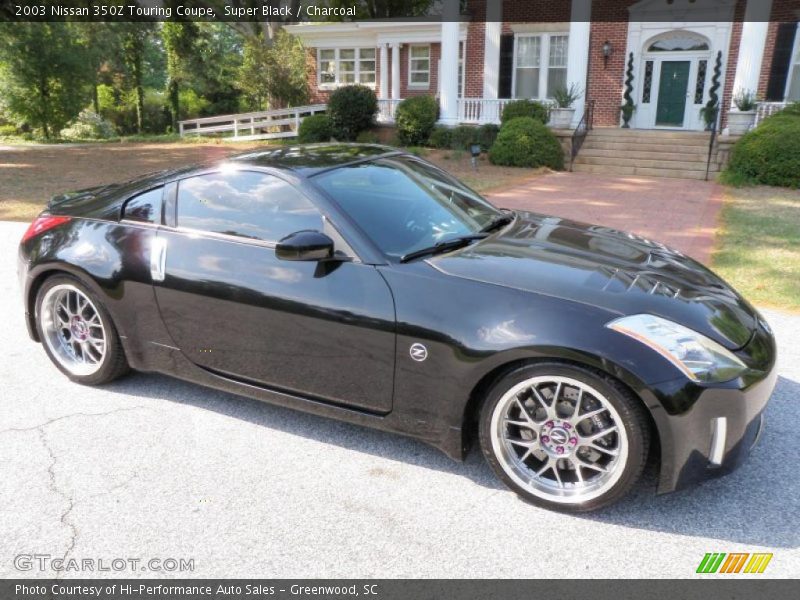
[491, 49]
[384, 84]
[448, 86]
[751, 48]
[396, 71]
[578, 52]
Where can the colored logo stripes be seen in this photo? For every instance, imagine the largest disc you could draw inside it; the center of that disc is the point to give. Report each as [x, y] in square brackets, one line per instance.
[735, 562]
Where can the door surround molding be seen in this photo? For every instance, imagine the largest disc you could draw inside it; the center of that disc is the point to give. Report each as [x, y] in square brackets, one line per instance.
[642, 33]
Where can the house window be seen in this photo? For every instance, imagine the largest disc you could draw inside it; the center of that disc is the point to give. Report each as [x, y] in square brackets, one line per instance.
[540, 64]
[419, 66]
[345, 66]
[793, 80]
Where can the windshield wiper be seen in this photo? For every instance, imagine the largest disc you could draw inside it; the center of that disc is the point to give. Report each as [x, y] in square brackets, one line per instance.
[443, 246]
[497, 222]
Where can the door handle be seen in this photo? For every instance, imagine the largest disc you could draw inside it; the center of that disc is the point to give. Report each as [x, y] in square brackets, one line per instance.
[158, 259]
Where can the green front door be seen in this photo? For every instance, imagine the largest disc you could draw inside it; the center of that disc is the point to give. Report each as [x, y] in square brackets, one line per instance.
[672, 88]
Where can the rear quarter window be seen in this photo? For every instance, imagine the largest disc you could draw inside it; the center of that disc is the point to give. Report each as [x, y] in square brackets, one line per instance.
[143, 208]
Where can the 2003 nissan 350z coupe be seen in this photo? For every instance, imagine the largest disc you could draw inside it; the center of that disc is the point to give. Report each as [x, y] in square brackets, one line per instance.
[365, 284]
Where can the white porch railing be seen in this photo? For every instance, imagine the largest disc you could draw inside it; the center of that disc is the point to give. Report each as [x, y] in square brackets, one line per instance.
[386, 109]
[766, 109]
[264, 125]
[470, 110]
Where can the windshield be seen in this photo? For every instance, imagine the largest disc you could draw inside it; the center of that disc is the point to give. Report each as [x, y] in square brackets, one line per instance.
[405, 205]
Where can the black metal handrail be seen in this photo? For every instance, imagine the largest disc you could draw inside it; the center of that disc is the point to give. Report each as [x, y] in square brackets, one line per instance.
[711, 141]
[584, 127]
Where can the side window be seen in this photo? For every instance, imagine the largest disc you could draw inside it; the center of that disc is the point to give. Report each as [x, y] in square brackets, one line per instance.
[246, 204]
[144, 208]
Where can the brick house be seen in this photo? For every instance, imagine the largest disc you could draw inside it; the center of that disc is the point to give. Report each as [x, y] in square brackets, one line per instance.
[504, 49]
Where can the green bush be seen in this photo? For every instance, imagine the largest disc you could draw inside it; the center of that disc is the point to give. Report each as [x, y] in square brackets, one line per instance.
[367, 137]
[770, 153]
[487, 134]
[791, 109]
[525, 108]
[441, 137]
[8, 130]
[89, 126]
[526, 142]
[315, 128]
[415, 119]
[352, 110]
[463, 137]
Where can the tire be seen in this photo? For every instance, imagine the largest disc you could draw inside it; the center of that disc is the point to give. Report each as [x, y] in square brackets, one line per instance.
[560, 458]
[77, 332]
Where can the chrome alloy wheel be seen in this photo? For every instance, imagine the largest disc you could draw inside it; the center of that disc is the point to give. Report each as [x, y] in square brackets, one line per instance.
[73, 330]
[559, 438]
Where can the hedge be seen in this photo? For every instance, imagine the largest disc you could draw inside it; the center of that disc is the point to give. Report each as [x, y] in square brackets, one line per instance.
[352, 109]
[525, 108]
[526, 142]
[415, 119]
[770, 153]
[315, 128]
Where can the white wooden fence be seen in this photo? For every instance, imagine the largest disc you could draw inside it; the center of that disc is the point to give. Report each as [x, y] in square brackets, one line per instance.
[264, 125]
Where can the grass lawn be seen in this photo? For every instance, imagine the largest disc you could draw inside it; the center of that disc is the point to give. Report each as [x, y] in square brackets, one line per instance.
[31, 174]
[758, 245]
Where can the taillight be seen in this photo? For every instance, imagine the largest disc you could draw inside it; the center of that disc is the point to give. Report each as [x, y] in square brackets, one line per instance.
[42, 224]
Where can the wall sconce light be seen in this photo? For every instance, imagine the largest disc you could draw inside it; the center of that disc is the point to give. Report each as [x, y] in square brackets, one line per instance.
[607, 50]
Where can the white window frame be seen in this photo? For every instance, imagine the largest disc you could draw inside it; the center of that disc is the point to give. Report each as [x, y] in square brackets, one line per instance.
[544, 61]
[419, 85]
[794, 63]
[337, 69]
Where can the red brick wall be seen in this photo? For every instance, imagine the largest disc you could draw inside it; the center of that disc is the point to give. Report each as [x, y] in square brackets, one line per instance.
[405, 91]
[606, 81]
[730, 68]
[534, 11]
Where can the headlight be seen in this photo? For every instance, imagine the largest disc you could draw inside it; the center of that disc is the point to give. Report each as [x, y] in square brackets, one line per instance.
[699, 357]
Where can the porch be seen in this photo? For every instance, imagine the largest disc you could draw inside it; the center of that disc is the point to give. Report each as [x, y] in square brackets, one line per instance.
[469, 111]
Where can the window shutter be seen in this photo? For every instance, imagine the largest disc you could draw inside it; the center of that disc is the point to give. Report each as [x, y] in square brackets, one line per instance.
[781, 59]
[506, 65]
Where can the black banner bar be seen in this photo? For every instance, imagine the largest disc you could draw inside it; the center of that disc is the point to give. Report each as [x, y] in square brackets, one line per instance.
[728, 587]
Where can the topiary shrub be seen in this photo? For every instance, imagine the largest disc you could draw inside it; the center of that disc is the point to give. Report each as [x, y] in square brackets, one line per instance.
[415, 119]
[487, 134]
[770, 153]
[526, 142]
[315, 128]
[525, 108]
[441, 137]
[89, 126]
[352, 109]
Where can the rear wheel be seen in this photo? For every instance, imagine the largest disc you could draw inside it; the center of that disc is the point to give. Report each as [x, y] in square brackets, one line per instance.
[564, 437]
[77, 332]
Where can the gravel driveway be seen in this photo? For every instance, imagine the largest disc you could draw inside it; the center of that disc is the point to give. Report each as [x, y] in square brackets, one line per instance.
[151, 467]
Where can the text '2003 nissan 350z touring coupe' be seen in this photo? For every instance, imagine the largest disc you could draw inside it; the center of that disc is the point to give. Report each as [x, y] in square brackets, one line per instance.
[362, 283]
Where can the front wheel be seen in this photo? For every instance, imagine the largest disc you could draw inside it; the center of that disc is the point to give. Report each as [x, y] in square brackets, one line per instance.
[564, 437]
[77, 332]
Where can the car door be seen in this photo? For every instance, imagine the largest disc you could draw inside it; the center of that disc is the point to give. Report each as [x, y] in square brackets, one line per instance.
[320, 330]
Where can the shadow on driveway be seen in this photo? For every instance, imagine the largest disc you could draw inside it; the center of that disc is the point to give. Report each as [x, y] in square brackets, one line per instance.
[756, 505]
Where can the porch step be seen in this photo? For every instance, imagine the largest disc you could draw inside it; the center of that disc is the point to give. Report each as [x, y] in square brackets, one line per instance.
[597, 144]
[649, 154]
[659, 153]
[642, 171]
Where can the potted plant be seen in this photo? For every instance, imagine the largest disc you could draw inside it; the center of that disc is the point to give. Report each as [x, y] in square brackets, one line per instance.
[741, 120]
[561, 115]
[627, 111]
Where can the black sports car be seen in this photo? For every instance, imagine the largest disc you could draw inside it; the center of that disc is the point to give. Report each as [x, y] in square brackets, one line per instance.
[363, 283]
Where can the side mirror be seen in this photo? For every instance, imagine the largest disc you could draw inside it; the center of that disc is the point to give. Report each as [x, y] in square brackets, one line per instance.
[305, 245]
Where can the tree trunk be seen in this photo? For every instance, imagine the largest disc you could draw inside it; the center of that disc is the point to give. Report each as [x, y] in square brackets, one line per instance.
[95, 97]
[174, 102]
[137, 82]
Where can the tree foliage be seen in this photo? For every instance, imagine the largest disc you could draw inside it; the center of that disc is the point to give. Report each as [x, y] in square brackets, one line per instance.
[44, 71]
[273, 75]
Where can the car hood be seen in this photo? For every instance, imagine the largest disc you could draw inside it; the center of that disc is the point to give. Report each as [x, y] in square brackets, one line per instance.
[621, 272]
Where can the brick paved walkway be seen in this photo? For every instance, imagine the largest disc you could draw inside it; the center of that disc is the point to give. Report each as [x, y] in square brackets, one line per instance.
[680, 213]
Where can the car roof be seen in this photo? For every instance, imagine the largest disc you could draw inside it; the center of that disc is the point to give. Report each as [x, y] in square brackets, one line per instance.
[309, 159]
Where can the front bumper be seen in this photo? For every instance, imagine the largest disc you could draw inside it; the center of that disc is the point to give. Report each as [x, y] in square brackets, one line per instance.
[719, 425]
